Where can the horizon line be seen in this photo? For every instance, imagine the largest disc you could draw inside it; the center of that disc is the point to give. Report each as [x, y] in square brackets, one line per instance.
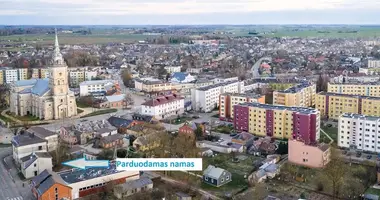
[264, 24]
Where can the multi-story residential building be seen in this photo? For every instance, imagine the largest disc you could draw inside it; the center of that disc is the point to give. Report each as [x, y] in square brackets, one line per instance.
[227, 101]
[172, 69]
[333, 105]
[280, 122]
[354, 79]
[194, 70]
[23, 145]
[206, 98]
[76, 77]
[302, 95]
[22, 73]
[44, 73]
[90, 75]
[35, 73]
[1, 77]
[163, 106]
[313, 156]
[11, 75]
[359, 132]
[364, 89]
[373, 63]
[90, 87]
[152, 85]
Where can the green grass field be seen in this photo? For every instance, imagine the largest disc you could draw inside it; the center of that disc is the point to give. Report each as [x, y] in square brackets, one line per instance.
[76, 38]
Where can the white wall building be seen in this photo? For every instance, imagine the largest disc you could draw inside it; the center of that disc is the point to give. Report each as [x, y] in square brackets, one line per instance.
[172, 69]
[11, 75]
[163, 106]
[23, 145]
[205, 99]
[90, 75]
[359, 132]
[88, 87]
[373, 63]
[35, 163]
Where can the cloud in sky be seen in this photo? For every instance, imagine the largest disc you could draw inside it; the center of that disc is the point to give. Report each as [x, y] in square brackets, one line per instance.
[87, 9]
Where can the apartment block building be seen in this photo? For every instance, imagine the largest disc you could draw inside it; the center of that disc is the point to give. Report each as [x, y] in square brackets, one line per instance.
[302, 94]
[44, 73]
[10, 75]
[227, 101]
[163, 107]
[152, 85]
[206, 99]
[373, 63]
[364, 89]
[35, 73]
[282, 122]
[2, 80]
[98, 86]
[359, 132]
[333, 105]
[22, 73]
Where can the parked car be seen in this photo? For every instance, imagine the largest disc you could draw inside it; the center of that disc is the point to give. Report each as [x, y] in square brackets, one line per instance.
[195, 117]
[369, 157]
[233, 134]
[358, 154]
[344, 152]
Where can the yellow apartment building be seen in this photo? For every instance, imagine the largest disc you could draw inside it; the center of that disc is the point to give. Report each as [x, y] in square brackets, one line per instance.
[44, 73]
[302, 95]
[152, 85]
[23, 73]
[281, 122]
[227, 101]
[76, 77]
[35, 73]
[1, 77]
[369, 89]
[333, 105]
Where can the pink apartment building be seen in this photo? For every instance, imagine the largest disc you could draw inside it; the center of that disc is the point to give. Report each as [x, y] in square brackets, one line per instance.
[313, 156]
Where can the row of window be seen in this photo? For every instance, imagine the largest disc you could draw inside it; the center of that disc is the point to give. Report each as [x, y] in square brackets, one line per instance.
[92, 186]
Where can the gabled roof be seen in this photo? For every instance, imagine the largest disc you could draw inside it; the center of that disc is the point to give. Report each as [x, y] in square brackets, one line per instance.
[134, 184]
[26, 139]
[41, 87]
[213, 172]
[30, 159]
[112, 138]
[162, 100]
[46, 180]
[41, 132]
[22, 83]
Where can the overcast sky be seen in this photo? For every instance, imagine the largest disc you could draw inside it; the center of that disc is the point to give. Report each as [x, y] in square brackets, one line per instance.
[135, 12]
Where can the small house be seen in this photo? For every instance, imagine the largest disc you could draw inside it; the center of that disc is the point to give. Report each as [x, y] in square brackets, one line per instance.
[132, 187]
[216, 176]
[35, 163]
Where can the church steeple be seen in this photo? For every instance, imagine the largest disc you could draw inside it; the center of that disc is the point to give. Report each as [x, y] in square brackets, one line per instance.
[57, 56]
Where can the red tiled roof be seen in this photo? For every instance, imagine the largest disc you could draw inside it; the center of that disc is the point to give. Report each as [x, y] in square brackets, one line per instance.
[162, 100]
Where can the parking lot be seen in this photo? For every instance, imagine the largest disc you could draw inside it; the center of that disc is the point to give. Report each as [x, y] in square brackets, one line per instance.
[359, 156]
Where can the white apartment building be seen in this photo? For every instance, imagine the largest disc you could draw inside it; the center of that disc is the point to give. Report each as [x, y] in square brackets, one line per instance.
[162, 107]
[11, 75]
[35, 163]
[194, 70]
[373, 63]
[90, 75]
[206, 99]
[359, 132]
[172, 69]
[24, 144]
[88, 87]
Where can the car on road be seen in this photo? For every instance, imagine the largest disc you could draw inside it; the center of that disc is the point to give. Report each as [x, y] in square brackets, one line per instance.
[358, 154]
[84, 120]
[195, 117]
[369, 157]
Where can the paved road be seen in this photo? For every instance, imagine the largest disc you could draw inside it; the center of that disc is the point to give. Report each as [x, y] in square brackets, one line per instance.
[10, 190]
[255, 67]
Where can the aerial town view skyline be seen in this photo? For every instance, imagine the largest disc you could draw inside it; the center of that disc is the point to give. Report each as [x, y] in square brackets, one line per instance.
[189, 100]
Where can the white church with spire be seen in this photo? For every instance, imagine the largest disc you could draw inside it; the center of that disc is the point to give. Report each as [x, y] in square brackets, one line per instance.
[47, 99]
